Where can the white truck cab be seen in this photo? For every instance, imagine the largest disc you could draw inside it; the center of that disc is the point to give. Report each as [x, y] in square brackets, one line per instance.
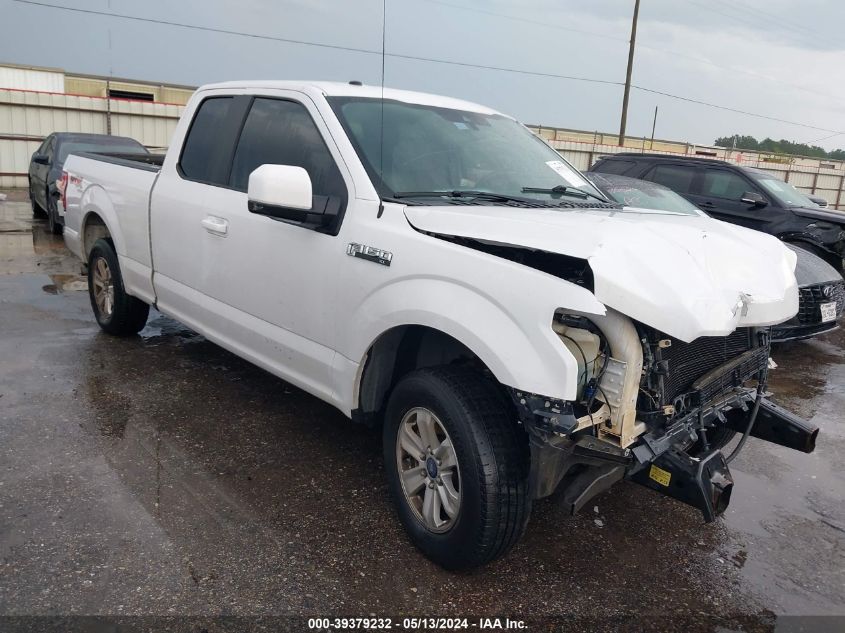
[430, 265]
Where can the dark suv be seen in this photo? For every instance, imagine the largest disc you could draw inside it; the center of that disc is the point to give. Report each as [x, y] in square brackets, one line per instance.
[740, 195]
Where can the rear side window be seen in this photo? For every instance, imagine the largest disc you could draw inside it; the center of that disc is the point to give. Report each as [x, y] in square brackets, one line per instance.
[202, 155]
[279, 132]
[614, 166]
[721, 183]
[676, 177]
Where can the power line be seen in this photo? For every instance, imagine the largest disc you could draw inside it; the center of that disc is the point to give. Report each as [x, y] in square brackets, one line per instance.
[422, 59]
[208, 29]
[675, 53]
[825, 138]
[735, 110]
[787, 26]
[380, 53]
[505, 69]
[517, 18]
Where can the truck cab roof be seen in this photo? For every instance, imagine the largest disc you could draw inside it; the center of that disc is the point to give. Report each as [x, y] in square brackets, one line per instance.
[347, 89]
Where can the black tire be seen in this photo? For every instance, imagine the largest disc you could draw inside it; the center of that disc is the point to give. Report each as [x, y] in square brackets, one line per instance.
[36, 209]
[54, 224]
[493, 461]
[128, 314]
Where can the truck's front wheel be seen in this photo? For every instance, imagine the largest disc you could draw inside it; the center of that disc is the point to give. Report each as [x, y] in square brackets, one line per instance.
[457, 466]
[117, 312]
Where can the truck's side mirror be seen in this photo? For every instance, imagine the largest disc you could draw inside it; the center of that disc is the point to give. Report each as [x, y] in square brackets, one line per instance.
[752, 197]
[41, 159]
[280, 191]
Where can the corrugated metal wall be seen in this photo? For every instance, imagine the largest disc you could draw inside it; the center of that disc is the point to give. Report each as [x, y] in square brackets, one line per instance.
[25, 78]
[27, 117]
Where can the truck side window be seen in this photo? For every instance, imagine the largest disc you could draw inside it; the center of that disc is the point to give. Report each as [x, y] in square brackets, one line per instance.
[721, 183]
[280, 132]
[615, 166]
[203, 152]
[676, 177]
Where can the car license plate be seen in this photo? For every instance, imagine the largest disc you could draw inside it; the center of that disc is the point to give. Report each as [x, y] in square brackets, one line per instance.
[828, 311]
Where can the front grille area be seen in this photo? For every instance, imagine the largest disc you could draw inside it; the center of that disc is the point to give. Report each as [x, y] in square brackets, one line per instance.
[810, 299]
[689, 361]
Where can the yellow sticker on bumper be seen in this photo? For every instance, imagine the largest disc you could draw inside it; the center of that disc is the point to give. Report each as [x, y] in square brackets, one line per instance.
[663, 477]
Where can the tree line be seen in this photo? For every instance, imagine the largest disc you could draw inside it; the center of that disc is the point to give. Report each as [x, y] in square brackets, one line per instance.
[779, 147]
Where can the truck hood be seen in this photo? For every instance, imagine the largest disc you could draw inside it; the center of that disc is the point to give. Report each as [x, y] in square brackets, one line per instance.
[687, 276]
[835, 217]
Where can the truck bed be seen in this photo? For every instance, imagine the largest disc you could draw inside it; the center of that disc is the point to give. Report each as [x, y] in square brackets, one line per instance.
[147, 162]
[116, 187]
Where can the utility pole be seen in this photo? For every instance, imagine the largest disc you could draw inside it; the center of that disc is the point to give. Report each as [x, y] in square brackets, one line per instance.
[653, 125]
[628, 74]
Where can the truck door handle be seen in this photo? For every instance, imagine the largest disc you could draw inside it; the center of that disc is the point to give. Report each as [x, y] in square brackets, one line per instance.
[218, 226]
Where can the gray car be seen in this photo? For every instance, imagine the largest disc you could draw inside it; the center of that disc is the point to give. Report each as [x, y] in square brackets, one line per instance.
[821, 287]
[45, 167]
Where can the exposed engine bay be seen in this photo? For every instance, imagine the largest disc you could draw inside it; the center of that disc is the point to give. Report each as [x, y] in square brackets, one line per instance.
[655, 410]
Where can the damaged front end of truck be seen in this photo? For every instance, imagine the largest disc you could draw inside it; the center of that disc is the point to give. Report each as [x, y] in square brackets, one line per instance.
[656, 411]
[673, 370]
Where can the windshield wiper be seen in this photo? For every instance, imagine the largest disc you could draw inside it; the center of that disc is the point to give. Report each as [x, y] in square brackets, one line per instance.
[563, 190]
[463, 193]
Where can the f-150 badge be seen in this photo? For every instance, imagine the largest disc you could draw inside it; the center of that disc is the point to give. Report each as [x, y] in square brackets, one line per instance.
[369, 253]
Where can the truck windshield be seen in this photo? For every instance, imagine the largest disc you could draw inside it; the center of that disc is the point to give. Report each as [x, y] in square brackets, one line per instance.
[415, 151]
[785, 193]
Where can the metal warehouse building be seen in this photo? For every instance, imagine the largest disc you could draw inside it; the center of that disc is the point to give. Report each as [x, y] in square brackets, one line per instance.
[37, 101]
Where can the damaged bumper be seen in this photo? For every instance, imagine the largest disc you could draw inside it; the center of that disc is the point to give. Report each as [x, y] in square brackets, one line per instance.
[662, 460]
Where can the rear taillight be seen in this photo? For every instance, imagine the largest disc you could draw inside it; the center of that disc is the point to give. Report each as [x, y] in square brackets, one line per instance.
[61, 187]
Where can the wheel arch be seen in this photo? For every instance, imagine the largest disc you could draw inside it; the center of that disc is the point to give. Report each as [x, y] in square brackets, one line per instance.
[506, 335]
[399, 351]
[99, 220]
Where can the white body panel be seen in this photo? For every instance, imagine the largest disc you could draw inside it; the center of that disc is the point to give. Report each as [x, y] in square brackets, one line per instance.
[292, 301]
[120, 196]
[687, 276]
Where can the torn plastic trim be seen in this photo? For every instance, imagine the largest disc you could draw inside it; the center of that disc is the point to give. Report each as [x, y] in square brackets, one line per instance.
[548, 415]
[566, 267]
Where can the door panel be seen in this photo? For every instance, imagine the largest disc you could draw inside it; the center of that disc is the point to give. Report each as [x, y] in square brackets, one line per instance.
[281, 273]
[180, 204]
[261, 287]
[39, 182]
[720, 195]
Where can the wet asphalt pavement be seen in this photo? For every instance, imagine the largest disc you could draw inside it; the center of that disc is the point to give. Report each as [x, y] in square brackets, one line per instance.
[161, 475]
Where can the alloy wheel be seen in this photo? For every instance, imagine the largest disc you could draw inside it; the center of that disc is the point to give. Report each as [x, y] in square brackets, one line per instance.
[428, 469]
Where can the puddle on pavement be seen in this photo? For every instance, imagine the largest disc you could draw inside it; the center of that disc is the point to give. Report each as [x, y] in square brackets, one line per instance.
[26, 246]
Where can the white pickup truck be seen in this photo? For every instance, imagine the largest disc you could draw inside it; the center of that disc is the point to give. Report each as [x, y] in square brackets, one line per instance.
[429, 265]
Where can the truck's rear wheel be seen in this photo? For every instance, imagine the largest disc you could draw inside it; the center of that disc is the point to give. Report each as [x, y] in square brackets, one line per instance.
[117, 312]
[457, 466]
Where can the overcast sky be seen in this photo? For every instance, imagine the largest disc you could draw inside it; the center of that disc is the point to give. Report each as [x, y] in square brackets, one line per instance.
[783, 59]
